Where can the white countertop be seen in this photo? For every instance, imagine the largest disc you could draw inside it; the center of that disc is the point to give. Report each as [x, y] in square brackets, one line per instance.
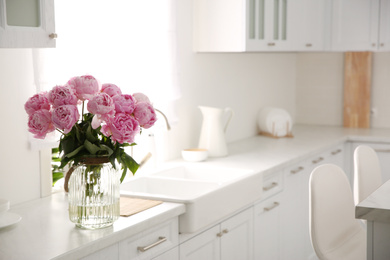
[45, 231]
[376, 207]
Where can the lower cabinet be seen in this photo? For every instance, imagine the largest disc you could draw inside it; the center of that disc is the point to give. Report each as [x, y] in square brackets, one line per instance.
[151, 242]
[230, 240]
[172, 254]
[268, 229]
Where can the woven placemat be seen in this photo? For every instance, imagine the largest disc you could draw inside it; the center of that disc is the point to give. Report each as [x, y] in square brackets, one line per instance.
[130, 206]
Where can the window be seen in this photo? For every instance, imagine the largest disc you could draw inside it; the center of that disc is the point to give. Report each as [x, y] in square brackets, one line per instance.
[129, 43]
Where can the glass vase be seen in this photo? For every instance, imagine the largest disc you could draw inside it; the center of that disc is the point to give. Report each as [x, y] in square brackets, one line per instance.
[94, 194]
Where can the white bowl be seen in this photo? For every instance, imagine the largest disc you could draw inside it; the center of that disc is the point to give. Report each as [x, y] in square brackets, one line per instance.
[194, 154]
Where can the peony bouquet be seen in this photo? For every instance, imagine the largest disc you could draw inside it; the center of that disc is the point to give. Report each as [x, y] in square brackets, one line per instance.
[112, 122]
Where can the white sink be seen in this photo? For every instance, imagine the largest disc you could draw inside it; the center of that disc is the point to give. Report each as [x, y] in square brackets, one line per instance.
[209, 193]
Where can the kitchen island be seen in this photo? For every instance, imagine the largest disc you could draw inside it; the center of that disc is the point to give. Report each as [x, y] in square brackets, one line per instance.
[45, 231]
[376, 210]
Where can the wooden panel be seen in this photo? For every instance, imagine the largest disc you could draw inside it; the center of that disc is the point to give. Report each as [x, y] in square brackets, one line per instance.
[357, 89]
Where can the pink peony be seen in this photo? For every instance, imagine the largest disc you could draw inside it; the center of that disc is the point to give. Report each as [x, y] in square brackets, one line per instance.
[62, 95]
[86, 86]
[39, 123]
[139, 97]
[124, 103]
[145, 114]
[64, 117]
[111, 89]
[122, 128]
[101, 104]
[37, 102]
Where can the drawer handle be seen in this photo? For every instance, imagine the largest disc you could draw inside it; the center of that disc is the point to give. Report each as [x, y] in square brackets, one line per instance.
[272, 207]
[273, 185]
[145, 248]
[336, 152]
[271, 44]
[300, 168]
[225, 231]
[382, 150]
[318, 160]
[308, 45]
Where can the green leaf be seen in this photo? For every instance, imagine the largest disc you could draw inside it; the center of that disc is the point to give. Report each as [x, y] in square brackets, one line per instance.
[90, 135]
[108, 149]
[130, 163]
[92, 148]
[74, 152]
[123, 174]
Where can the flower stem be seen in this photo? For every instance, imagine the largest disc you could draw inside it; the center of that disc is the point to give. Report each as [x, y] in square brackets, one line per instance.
[60, 131]
[82, 112]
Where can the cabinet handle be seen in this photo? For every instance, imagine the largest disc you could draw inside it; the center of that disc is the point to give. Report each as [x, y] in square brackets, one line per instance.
[145, 248]
[382, 44]
[53, 36]
[273, 185]
[373, 45]
[308, 45]
[225, 231]
[271, 44]
[382, 150]
[317, 160]
[336, 152]
[300, 168]
[272, 207]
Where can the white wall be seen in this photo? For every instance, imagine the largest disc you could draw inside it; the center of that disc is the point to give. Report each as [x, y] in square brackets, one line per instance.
[19, 173]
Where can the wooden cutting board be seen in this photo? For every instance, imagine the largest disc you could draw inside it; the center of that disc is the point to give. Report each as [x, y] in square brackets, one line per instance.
[130, 206]
[357, 89]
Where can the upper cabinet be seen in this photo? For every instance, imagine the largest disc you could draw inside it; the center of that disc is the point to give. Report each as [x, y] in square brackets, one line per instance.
[310, 25]
[241, 25]
[361, 25]
[268, 25]
[27, 24]
[355, 25]
[291, 25]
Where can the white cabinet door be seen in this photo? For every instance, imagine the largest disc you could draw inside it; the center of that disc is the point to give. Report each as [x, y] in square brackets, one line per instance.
[295, 213]
[268, 25]
[172, 254]
[110, 252]
[309, 24]
[27, 24]
[204, 246]
[237, 236]
[384, 26]
[151, 242]
[355, 25]
[232, 239]
[268, 229]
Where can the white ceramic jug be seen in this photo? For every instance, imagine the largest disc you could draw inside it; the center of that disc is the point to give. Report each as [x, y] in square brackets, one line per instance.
[212, 135]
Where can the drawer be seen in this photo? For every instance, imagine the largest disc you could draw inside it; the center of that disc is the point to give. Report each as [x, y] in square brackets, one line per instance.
[272, 184]
[151, 242]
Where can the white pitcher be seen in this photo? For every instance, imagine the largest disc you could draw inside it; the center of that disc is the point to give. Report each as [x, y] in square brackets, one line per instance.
[212, 135]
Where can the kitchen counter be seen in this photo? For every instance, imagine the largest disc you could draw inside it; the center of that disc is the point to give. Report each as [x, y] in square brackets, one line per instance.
[45, 231]
[376, 210]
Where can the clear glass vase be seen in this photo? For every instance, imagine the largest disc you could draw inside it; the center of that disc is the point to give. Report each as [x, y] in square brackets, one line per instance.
[94, 194]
